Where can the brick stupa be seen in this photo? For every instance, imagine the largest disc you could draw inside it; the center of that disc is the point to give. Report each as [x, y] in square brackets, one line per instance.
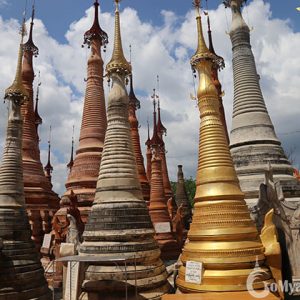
[84, 172]
[119, 224]
[21, 273]
[41, 201]
[134, 104]
[158, 207]
[148, 154]
[161, 130]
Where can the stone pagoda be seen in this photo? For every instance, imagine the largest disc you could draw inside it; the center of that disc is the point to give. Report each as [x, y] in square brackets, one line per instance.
[41, 201]
[134, 104]
[21, 275]
[253, 141]
[158, 207]
[84, 172]
[222, 236]
[119, 226]
[182, 199]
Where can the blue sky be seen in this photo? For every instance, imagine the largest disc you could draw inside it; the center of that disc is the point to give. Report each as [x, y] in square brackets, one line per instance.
[57, 15]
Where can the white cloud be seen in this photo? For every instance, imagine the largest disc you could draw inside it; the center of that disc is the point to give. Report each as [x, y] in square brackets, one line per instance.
[166, 51]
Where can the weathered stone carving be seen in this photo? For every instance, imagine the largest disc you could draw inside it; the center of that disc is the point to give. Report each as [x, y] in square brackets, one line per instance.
[286, 219]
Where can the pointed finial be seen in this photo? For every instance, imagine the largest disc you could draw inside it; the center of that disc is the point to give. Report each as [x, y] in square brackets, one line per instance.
[148, 142]
[130, 54]
[118, 63]
[219, 61]
[155, 140]
[71, 162]
[133, 100]
[37, 118]
[202, 52]
[29, 46]
[17, 91]
[48, 168]
[117, 2]
[96, 32]
[160, 127]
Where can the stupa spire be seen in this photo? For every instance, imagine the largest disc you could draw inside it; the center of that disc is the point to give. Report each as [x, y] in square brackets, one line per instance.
[118, 62]
[134, 104]
[18, 257]
[41, 201]
[148, 153]
[160, 132]
[155, 140]
[37, 118]
[95, 32]
[29, 45]
[160, 127]
[49, 168]
[253, 141]
[215, 75]
[222, 235]
[17, 89]
[71, 162]
[119, 205]
[93, 125]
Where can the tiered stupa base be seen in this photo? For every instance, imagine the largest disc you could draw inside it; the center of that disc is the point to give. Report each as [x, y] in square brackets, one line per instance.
[21, 275]
[123, 229]
[251, 163]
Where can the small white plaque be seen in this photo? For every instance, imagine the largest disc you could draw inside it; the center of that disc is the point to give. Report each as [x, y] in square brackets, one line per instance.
[193, 272]
[47, 241]
[163, 227]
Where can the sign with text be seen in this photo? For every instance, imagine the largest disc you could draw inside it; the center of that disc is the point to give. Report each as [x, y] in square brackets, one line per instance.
[193, 272]
[163, 227]
[46, 243]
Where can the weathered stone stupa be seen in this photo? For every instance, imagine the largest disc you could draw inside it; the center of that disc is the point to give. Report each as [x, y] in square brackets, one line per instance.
[158, 207]
[134, 104]
[182, 198]
[21, 275]
[253, 141]
[222, 235]
[119, 223]
[83, 174]
[41, 201]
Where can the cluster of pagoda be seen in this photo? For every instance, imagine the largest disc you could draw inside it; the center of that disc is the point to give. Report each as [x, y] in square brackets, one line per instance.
[117, 207]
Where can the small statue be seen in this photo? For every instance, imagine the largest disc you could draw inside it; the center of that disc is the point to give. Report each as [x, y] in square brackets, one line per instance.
[73, 236]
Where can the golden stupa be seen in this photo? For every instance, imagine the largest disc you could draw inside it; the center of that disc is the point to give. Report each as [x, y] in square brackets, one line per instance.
[222, 235]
